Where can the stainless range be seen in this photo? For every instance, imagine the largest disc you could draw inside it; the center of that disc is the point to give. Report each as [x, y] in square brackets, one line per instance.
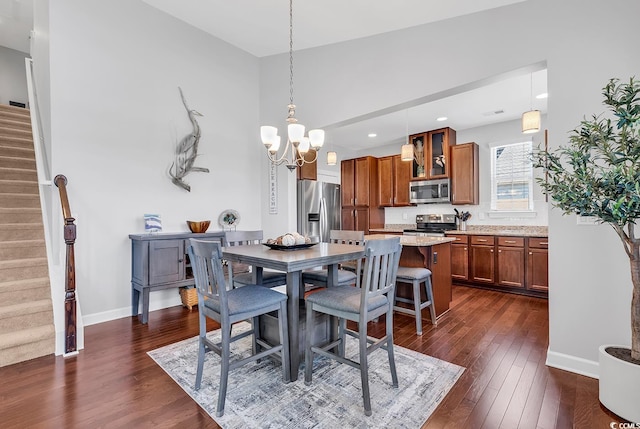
[433, 225]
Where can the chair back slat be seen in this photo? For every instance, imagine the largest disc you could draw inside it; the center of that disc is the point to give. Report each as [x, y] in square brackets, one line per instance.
[241, 238]
[346, 237]
[206, 263]
[380, 269]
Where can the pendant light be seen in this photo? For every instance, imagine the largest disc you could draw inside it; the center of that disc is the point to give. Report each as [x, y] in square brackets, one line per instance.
[531, 119]
[406, 153]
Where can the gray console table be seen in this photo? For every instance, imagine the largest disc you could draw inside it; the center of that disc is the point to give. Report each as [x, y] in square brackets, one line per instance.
[159, 261]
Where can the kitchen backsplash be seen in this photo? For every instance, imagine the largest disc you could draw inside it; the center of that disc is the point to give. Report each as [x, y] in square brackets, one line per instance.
[480, 214]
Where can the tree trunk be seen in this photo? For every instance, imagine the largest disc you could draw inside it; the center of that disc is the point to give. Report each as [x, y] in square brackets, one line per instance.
[635, 310]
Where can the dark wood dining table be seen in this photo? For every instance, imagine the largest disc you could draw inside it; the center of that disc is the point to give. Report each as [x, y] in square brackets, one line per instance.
[293, 262]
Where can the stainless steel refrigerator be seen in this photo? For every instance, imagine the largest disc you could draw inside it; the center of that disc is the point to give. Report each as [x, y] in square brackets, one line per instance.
[318, 209]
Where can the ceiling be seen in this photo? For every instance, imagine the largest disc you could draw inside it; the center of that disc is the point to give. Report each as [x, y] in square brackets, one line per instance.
[265, 30]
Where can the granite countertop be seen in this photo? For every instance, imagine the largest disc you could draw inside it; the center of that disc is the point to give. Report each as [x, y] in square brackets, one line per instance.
[413, 241]
[507, 230]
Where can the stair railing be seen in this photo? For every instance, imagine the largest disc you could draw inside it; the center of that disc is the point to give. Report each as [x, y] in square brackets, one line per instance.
[70, 267]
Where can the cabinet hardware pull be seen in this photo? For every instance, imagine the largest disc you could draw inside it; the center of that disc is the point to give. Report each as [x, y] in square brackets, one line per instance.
[465, 248]
[530, 253]
[180, 260]
[543, 243]
[482, 240]
[510, 241]
[491, 250]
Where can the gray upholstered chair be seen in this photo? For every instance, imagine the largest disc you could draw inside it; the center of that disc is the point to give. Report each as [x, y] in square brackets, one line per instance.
[416, 277]
[345, 277]
[239, 238]
[228, 307]
[361, 304]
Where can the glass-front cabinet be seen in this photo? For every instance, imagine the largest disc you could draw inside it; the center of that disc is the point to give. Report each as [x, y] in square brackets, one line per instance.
[431, 153]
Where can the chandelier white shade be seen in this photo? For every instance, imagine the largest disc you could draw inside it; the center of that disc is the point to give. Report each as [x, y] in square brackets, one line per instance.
[298, 145]
[531, 122]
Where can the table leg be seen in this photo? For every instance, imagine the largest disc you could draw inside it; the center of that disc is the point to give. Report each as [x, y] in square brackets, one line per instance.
[293, 313]
[256, 275]
[332, 280]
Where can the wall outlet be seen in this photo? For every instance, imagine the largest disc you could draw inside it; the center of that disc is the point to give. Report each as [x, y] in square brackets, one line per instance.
[481, 216]
[586, 220]
[405, 216]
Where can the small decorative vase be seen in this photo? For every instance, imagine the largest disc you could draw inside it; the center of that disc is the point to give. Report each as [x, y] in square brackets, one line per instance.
[420, 171]
[463, 225]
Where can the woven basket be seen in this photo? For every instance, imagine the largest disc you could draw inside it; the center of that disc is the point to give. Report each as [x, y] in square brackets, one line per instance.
[189, 297]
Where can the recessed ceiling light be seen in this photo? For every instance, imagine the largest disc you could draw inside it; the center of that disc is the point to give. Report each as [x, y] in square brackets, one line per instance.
[541, 96]
[441, 118]
[372, 135]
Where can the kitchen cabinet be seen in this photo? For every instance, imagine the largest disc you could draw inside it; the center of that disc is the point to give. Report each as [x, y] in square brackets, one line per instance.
[460, 258]
[482, 259]
[435, 156]
[308, 171]
[359, 184]
[160, 261]
[464, 174]
[538, 265]
[394, 176]
[510, 262]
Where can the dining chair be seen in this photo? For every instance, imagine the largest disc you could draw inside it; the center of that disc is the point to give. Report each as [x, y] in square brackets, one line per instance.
[345, 277]
[240, 238]
[373, 298]
[231, 306]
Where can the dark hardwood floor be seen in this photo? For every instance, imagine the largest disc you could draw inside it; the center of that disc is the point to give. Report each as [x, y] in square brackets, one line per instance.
[501, 340]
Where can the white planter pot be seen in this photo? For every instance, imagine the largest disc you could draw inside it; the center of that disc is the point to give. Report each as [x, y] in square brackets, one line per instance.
[619, 385]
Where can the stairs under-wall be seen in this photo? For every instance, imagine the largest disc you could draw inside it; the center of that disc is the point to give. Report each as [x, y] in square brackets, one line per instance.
[26, 312]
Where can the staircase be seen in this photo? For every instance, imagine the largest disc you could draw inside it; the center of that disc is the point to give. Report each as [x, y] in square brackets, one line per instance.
[26, 313]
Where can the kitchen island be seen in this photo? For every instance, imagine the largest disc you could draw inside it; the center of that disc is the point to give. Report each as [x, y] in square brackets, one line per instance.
[433, 253]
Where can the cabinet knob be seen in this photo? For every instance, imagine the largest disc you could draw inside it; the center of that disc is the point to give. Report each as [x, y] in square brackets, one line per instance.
[465, 248]
[530, 253]
[180, 260]
[491, 250]
[499, 251]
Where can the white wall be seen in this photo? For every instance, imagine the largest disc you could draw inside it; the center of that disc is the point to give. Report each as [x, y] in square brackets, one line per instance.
[116, 115]
[350, 79]
[13, 81]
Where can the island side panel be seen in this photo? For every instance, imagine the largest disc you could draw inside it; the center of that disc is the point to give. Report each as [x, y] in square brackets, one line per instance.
[437, 258]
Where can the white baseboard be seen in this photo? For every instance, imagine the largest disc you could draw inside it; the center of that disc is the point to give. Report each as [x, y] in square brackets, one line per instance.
[119, 313]
[573, 364]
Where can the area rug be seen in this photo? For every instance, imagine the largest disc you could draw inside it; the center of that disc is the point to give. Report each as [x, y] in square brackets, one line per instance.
[257, 397]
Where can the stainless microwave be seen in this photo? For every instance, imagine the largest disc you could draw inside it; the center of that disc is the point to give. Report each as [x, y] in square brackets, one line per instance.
[430, 191]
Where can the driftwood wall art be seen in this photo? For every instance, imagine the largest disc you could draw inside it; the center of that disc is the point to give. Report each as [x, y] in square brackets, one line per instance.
[186, 151]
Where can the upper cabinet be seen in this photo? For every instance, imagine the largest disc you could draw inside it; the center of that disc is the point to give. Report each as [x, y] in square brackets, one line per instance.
[394, 176]
[432, 153]
[359, 179]
[309, 170]
[464, 174]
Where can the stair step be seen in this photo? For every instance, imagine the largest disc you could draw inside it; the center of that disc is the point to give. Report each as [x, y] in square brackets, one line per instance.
[14, 132]
[5, 108]
[13, 116]
[13, 162]
[23, 249]
[18, 174]
[18, 187]
[17, 152]
[21, 231]
[20, 215]
[20, 291]
[14, 141]
[21, 269]
[22, 310]
[19, 201]
[11, 123]
[26, 344]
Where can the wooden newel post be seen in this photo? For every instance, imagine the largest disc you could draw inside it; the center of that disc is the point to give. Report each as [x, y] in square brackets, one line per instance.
[70, 271]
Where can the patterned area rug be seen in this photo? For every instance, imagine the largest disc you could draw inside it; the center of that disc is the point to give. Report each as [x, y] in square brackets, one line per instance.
[257, 397]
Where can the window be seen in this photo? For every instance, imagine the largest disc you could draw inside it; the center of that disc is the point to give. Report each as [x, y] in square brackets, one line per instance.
[512, 177]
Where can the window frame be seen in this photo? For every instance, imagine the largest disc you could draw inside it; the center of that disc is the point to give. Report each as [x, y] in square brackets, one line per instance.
[528, 178]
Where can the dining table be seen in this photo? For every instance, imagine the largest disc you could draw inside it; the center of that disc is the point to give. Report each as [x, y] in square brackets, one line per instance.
[293, 261]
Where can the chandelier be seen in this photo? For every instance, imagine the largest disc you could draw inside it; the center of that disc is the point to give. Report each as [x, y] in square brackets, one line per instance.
[298, 145]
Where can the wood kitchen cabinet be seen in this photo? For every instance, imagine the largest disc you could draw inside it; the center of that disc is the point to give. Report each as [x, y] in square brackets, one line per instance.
[465, 174]
[308, 171]
[482, 259]
[510, 262]
[159, 261]
[359, 184]
[538, 264]
[460, 258]
[435, 146]
[394, 176]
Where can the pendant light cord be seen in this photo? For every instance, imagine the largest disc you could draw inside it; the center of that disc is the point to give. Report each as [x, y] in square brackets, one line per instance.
[290, 51]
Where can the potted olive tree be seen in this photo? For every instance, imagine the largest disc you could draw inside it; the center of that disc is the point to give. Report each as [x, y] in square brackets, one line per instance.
[598, 174]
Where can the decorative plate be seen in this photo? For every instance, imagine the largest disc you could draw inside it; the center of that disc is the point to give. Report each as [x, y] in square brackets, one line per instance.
[229, 218]
[293, 247]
